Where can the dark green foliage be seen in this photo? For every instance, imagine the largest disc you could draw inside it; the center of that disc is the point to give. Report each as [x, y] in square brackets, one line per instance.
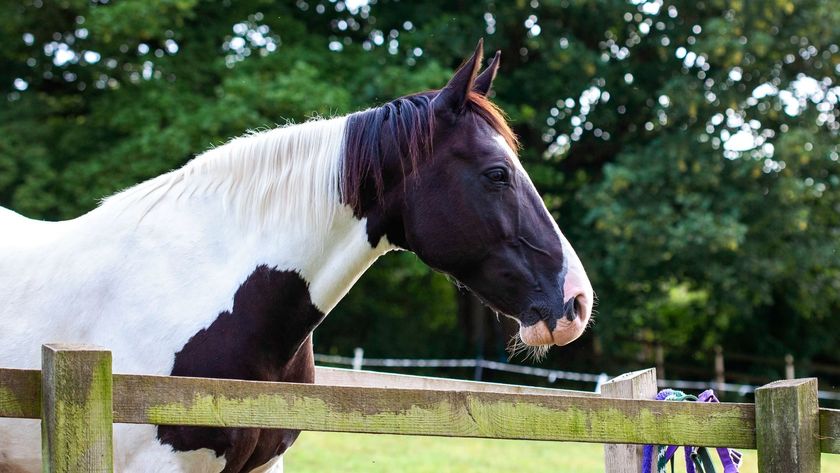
[687, 241]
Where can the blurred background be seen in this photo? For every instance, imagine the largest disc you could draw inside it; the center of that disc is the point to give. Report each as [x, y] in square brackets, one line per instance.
[688, 149]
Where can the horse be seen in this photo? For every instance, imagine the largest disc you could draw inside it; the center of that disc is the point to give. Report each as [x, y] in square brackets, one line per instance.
[224, 267]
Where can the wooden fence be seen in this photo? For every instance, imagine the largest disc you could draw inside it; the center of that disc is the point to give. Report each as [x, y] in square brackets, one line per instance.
[78, 399]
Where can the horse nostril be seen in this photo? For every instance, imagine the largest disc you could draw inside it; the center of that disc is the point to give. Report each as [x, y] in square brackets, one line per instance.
[572, 309]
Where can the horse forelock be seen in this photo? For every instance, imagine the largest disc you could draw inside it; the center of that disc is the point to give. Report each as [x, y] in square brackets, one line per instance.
[494, 116]
[402, 128]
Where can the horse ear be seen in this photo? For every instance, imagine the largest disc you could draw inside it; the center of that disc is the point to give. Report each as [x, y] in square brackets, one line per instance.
[454, 95]
[485, 80]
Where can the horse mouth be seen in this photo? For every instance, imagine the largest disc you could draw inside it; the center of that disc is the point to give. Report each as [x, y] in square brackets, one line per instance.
[567, 328]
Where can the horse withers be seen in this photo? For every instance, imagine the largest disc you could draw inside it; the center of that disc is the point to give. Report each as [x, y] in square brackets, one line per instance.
[224, 267]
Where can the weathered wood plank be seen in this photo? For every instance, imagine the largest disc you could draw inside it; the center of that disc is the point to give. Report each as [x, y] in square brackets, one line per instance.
[20, 393]
[205, 402]
[622, 458]
[787, 427]
[20, 398]
[76, 430]
[830, 430]
[374, 379]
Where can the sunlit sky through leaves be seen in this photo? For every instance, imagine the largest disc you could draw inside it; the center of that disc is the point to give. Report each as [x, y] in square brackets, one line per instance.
[565, 123]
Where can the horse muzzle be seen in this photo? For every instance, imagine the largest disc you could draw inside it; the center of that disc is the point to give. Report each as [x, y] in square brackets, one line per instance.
[562, 323]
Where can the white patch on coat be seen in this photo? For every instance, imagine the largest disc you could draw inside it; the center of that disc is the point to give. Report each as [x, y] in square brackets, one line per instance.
[575, 281]
[155, 264]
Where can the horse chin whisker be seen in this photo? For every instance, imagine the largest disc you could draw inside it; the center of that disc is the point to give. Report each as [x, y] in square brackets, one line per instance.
[515, 346]
[458, 284]
[535, 354]
[591, 322]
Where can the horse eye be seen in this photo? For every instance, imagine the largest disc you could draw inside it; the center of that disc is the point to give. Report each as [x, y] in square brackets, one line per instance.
[497, 175]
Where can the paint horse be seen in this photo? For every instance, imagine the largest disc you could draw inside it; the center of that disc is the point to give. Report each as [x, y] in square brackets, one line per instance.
[223, 268]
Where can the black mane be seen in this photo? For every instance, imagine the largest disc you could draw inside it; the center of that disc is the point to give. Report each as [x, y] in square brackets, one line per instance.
[400, 129]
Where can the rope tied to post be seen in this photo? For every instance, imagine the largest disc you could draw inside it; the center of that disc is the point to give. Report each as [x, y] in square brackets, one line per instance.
[697, 459]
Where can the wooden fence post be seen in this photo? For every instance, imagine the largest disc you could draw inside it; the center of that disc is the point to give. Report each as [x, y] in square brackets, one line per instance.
[789, 371]
[76, 409]
[358, 358]
[720, 376]
[787, 426]
[635, 385]
[659, 355]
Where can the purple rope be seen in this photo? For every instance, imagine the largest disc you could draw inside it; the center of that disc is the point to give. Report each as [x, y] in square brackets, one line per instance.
[689, 462]
[707, 396]
[647, 458]
[730, 459]
[647, 453]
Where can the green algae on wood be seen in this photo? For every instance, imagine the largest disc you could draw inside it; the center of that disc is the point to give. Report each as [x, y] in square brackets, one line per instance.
[231, 403]
[77, 424]
[205, 402]
[20, 393]
[788, 426]
[623, 458]
[830, 430]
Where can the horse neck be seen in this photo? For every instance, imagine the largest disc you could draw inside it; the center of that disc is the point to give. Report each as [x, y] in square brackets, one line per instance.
[269, 199]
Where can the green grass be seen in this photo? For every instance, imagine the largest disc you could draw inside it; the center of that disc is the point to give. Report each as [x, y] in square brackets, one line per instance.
[330, 452]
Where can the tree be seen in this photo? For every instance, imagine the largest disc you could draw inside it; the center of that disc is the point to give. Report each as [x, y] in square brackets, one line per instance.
[688, 149]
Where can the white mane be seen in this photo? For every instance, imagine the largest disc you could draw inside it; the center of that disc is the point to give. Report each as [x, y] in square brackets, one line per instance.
[288, 174]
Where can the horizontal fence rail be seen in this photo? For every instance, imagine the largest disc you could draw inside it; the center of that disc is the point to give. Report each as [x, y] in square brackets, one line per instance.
[206, 402]
[549, 374]
[461, 363]
[377, 379]
[163, 400]
[77, 399]
[829, 430]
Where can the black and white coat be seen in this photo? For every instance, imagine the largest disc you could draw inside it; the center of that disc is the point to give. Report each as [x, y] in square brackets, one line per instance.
[224, 267]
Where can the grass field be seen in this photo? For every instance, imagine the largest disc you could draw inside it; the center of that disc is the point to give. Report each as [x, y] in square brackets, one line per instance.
[329, 452]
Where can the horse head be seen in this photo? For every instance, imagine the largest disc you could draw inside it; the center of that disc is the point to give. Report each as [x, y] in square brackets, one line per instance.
[437, 173]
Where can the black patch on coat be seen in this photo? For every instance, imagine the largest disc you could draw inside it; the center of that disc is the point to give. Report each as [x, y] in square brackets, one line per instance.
[265, 337]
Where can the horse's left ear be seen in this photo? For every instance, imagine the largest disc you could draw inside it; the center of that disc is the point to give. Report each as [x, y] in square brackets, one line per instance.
[454, 95]
[485, 80]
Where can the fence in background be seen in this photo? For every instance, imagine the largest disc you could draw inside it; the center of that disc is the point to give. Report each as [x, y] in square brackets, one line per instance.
[358, 361]
[78, 399]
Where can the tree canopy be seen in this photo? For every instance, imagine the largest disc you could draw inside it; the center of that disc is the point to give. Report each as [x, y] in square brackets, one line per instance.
[688, 149]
